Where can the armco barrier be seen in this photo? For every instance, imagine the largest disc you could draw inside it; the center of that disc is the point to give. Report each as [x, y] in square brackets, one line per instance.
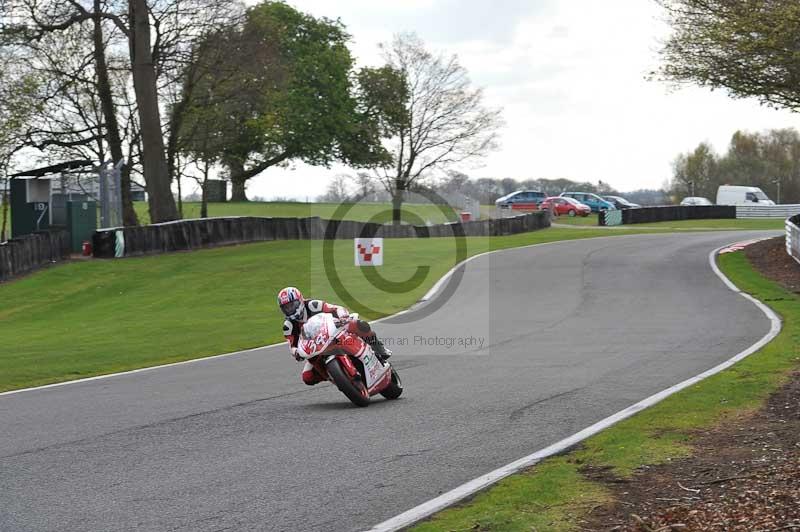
[187, 235]
[793, 237]
[767, 211]
[670, 213]
[30, 252]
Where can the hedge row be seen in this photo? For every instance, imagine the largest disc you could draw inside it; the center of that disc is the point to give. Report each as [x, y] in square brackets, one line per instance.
[793, 237]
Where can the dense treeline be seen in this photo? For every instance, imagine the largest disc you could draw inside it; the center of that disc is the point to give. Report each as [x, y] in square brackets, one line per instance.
[766, 160]
[486, 190]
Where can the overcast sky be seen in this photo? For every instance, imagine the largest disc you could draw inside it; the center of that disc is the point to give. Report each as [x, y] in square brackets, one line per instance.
[570, 77]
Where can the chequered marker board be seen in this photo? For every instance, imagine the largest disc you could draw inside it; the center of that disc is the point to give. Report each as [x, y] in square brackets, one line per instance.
[369, 251]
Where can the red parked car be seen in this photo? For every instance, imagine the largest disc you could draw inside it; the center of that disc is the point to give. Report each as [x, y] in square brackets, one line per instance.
[565, 205]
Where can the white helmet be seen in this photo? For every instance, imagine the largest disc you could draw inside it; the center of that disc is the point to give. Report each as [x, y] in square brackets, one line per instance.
[292, 304]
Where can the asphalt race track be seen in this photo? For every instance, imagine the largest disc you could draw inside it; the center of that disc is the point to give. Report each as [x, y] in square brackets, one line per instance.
[572, 332]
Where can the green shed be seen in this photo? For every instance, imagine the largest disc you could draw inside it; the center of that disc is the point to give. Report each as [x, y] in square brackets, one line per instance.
[81, 223]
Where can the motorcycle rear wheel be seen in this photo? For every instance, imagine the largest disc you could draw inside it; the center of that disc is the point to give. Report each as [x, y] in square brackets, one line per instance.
[353, 389]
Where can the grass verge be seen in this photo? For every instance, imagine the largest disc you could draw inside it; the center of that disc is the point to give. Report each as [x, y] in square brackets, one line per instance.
[413, 213]
[88, 318]
[744, 224]
[554, 494]
[362, 212]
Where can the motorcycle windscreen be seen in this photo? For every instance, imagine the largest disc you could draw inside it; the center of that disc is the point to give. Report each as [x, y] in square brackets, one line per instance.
[316, 334]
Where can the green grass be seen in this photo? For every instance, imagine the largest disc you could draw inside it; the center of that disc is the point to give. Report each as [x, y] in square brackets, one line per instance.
[513, 509]
[577, 220]
[488, 211]
[362, 212]
[101, 316]
[745, 224]
[658, 434]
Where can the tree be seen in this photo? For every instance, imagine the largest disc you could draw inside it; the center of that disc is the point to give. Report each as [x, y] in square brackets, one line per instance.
[695, 173]
[287, 94]
[133, 43]
[605, 189]
[53, 36]
[764, 160]
[454, 181]
[364, 184]
[154, 161]
[79, 116]
[756, 159]
[781, 151]
[444, 122]
[18, 105]
[747, 47]
[338, 190]
[744, 162]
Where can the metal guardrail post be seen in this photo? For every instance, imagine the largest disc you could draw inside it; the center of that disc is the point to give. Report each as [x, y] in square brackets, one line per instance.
[767, 211]
[793, 237]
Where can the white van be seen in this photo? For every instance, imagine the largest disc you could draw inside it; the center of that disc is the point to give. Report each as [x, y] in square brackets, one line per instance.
[734, 195]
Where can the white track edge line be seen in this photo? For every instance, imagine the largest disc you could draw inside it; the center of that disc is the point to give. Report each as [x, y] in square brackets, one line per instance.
[453, 496]
[435, 288]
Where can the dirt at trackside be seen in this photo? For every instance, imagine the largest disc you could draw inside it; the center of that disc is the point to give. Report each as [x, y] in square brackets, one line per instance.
[745, 473]
[770, 258]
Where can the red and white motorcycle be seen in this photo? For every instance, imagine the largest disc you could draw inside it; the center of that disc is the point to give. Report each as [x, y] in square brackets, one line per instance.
[345, 359]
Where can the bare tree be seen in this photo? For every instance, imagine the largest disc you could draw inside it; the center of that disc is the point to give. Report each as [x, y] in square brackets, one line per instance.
[94, 53]
[71, 46]
[445, 123]
[338, 190]
[364, 183]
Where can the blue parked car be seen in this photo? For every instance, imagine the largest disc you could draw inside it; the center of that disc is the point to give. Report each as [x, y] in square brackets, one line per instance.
[595, 202]
[522, 200]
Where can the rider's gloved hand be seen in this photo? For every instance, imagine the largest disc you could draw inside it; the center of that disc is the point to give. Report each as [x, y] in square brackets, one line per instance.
[296, 354]
[342, 314]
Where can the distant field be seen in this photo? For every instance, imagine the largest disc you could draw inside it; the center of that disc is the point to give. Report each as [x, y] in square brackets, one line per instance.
[488, 211]
[362, 212]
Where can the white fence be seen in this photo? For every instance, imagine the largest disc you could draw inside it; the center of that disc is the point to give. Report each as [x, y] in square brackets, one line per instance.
[463, 203]
[767, 211]
[793, 238]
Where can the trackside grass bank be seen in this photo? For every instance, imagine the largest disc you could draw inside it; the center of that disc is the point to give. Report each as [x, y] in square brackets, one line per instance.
[556, 493]
[744, 224]
[361, 212]
[93, 317]
[413, 213]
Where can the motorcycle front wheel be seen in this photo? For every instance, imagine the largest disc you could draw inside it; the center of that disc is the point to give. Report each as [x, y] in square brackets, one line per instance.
[394, 389]
[353, 389]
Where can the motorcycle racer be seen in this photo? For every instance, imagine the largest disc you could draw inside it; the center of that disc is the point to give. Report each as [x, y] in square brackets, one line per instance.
[297, 312]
